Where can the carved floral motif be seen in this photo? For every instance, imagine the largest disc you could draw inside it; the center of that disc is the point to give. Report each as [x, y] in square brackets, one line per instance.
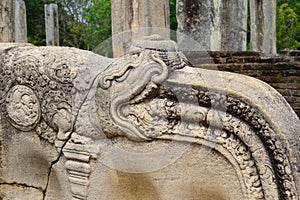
[275, 148]
[23, 107]
[45, 81]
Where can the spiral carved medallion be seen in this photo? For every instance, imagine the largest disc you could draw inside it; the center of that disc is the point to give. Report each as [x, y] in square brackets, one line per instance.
[23, 107]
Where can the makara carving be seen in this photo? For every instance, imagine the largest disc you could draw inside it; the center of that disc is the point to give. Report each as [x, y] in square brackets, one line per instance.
[136, 97]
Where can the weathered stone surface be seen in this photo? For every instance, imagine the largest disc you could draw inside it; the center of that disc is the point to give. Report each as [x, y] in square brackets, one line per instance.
[234, 25]
[184, 179]
[6, 22]
[52, 26]
[199, 24]
[263, 26]
[133, 20]
[15, 191]
[147, 125]
[212, 25]
[20, 21]
[13, 27]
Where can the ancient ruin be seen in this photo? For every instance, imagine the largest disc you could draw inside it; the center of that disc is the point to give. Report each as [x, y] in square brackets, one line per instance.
[222, 25]
[76, 125]
[154, 123]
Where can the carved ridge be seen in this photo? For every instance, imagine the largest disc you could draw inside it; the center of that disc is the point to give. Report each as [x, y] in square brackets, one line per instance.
[263, 129]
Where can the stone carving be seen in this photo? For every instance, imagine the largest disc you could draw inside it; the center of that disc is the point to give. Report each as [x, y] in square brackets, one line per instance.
[154, 70]
[47, 88]
[146, 96]
[23, 107]
[78, 167]
[237, 138]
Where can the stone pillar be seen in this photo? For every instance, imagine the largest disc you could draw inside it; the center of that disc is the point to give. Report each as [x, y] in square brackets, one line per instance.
[20, 21]
[212, 25]
[263, 26]
[134, 19]
[199, 24]
[13, 26]
[52, 26]
[234, 25]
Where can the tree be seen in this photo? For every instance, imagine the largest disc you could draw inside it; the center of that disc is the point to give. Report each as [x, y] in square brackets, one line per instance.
[36, 21]
[288, 24]
[98, 22]
[72, 22]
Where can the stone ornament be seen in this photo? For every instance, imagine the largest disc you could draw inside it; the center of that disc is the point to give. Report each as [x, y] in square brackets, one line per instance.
[23, 107]
[154, 98]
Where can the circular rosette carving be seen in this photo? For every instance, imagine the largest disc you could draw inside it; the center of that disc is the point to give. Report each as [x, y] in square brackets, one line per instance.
[23, 107]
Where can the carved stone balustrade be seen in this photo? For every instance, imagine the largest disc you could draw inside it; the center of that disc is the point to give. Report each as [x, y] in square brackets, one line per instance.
[148, 125]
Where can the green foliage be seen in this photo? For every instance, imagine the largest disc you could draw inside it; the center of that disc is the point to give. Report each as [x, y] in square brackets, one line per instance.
[288, 24]
[71, 22]
[98, 19]
[36, 21]
[173, 20]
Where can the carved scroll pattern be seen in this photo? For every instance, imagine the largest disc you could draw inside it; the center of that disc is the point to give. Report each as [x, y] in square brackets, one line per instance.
[139, 115]
[149, 111]
[262, 159]
[23, 107]
[48, 75]
[162, 110]
[153, 66]
[276, 150]
[35, 94]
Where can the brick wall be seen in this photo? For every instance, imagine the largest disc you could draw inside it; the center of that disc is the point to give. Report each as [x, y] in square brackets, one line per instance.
[281, 71]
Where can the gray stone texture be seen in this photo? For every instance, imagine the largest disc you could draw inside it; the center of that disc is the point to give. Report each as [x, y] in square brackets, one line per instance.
[199, 24]
[13, 27]
[20, 21]
[134, 19]
[52, 25]
[234, 25]
[263, 26]
[212, 25]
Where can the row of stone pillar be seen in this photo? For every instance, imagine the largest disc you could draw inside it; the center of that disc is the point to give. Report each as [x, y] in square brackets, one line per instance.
[215, 25]
[13, 26]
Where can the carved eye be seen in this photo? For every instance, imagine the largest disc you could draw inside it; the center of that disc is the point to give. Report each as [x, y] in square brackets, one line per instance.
[135, 54]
